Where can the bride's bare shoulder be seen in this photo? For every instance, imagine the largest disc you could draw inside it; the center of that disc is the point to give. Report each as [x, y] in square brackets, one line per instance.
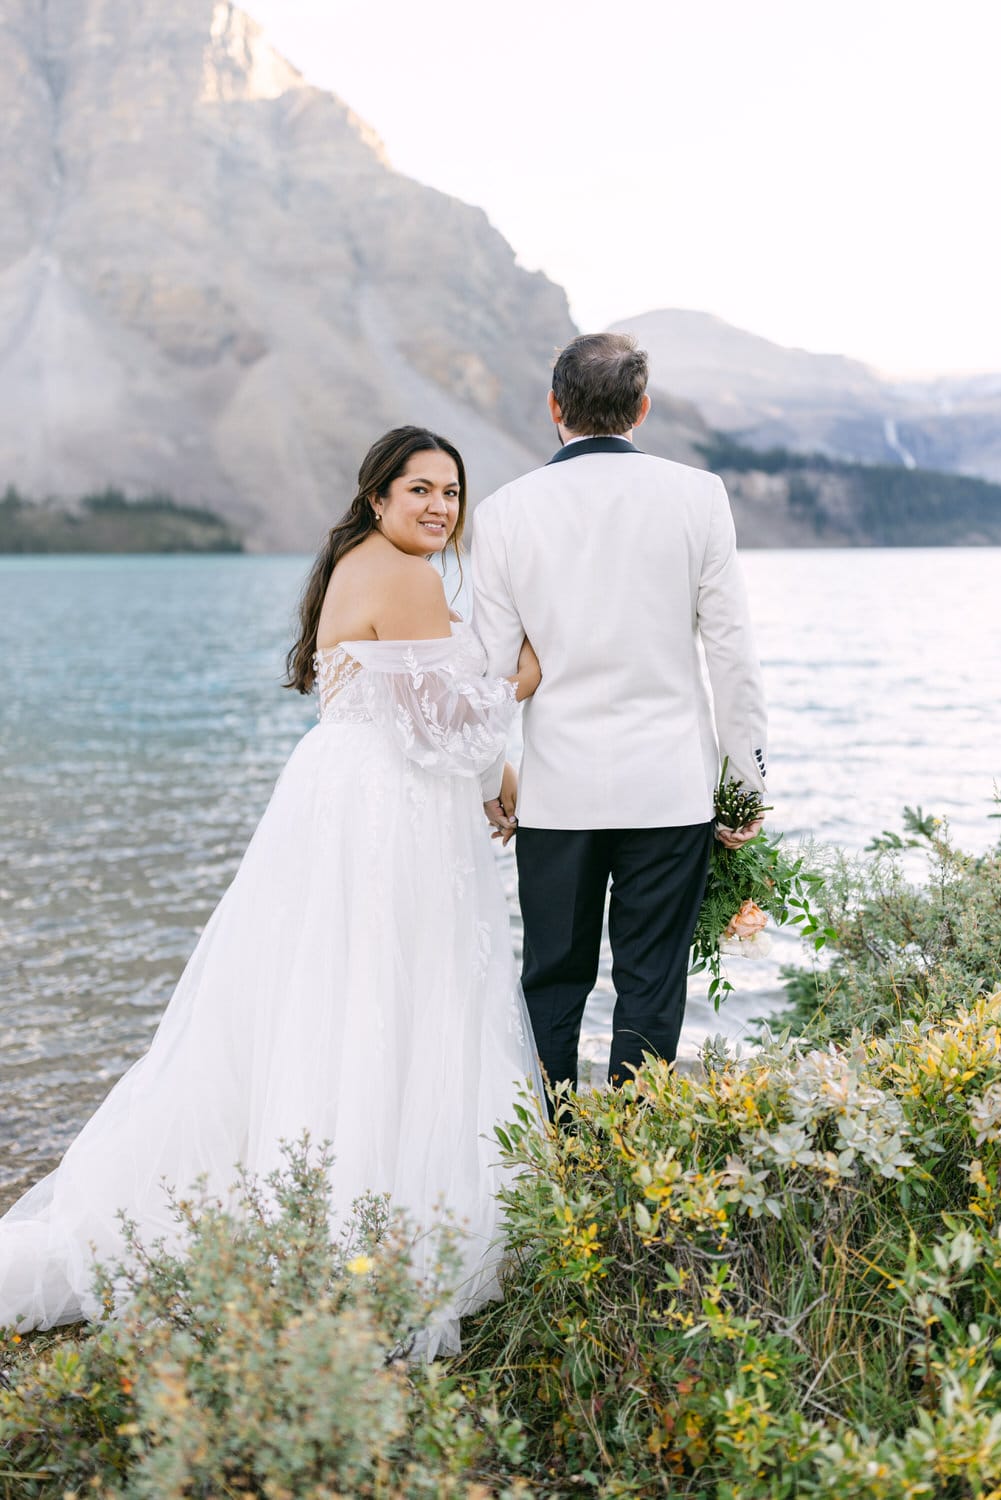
[397, 596]
[409, 601]
[376, 567]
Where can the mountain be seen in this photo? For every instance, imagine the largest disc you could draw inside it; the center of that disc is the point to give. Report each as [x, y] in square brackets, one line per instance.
[774, 396]
[785, 499]
[110, 522]
[214, 288]
[735, 377]
[213, 284]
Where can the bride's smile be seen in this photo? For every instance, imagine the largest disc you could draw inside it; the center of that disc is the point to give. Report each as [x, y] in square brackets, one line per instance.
[421, 507]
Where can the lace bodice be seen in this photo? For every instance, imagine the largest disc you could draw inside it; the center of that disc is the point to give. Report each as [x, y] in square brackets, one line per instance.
[430, 696]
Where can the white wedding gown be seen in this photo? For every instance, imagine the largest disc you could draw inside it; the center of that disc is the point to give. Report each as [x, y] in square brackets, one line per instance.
[356, 980]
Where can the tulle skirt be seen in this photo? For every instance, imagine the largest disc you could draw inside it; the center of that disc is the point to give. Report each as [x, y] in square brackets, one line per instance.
[356, 981]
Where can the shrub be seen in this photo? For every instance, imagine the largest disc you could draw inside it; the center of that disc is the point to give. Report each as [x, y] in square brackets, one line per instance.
[268, 1359]
[763, 1281]
[899, 948]
[779, 1279]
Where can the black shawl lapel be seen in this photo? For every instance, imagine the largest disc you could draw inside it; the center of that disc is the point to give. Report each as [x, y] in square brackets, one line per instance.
[593, 445]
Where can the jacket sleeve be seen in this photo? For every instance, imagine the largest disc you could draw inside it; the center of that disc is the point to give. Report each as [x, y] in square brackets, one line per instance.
[495, 615]
[495, 618]
[724, 620]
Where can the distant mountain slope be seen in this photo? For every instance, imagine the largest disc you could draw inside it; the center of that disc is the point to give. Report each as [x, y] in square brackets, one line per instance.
[732, 375]
[786, 499]
[213, 284]
[108, 522]
[772, 395]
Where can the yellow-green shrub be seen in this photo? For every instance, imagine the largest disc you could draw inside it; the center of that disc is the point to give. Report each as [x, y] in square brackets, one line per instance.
[743, 1284]
[267, 1360]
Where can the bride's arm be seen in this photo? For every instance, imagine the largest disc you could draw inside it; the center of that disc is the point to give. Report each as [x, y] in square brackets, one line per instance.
[529, 673]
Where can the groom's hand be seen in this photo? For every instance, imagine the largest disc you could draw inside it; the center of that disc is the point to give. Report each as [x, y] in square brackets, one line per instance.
[732, 838]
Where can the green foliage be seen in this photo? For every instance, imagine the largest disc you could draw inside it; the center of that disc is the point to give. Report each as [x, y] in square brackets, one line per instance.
[804, 500]
[759, 875]
[920, 827]
[899, 947]
[756, 878]
[777, 1280]
[259, 1356]
[782, 1279]
[918, 507]
[115, 500]
[723, 452]
[891, 505]
[736, 805]
[108, 521]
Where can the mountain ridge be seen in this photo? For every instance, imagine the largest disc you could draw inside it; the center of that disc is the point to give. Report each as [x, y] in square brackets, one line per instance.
[771, 395]
[214, 285]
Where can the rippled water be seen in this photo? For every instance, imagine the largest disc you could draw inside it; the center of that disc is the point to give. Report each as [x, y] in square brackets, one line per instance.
[142, 726]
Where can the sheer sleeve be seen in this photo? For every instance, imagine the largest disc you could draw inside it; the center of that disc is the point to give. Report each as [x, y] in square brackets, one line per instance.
[433, 698]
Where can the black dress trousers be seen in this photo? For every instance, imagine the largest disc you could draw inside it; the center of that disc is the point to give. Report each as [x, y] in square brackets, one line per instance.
[658, 878]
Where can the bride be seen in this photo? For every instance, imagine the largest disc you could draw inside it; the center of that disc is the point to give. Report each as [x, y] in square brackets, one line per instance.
[357, 979]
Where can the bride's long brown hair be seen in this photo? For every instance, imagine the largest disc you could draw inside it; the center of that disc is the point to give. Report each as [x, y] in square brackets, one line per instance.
[385, 461]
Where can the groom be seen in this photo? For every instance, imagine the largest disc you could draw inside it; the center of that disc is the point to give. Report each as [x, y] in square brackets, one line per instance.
[621, 569]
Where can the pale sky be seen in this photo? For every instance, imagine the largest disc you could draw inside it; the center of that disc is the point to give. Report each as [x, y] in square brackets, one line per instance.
[823, 172]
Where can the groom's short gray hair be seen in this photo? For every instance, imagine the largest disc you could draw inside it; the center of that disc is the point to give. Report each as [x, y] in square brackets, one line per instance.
[599, 381]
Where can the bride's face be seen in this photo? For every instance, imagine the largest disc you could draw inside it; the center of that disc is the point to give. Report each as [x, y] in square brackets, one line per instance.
[419, 513]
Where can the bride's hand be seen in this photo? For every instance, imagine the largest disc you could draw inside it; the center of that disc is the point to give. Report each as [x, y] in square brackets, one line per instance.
[529, 671]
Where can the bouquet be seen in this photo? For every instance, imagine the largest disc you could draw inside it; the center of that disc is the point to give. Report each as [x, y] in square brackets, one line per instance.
[745, 888]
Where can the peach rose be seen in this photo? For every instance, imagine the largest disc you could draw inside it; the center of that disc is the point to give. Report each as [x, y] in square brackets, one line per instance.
[749, 920]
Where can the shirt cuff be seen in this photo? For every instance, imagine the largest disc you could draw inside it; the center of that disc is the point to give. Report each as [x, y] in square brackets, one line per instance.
[490, 781]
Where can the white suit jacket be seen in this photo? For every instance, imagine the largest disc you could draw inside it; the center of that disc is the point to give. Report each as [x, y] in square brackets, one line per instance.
[617, 565]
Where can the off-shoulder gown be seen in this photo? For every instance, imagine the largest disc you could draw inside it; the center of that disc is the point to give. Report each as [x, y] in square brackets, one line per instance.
[356, 980]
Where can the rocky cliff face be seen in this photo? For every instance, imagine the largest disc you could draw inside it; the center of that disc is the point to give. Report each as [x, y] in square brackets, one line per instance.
[212, 283]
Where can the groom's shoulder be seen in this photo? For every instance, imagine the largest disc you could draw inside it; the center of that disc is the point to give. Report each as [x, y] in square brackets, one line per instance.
[649, 468]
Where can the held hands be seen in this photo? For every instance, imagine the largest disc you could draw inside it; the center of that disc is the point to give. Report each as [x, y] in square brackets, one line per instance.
[500, 811]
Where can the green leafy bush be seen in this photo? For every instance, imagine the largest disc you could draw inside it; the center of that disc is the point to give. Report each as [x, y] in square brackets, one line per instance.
[779, 1280]
[266, 1360]
[899, 947]
[746, 886]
